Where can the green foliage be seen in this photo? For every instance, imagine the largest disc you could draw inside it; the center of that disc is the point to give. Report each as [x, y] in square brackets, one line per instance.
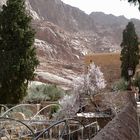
[53, 110]
[25, 110]
[137, 82]
[53, 92]
[130, 51]
[17, 55]
[120, 85]
[37, 93]
[135, 2]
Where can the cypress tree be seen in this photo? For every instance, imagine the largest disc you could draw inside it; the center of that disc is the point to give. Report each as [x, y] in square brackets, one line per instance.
[130, 51]
[17, 55]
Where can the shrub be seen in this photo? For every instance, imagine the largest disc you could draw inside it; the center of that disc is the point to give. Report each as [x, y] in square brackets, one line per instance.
[53, 111]
[53, 92]
[120, 85]
[137, 82]
[42, 92]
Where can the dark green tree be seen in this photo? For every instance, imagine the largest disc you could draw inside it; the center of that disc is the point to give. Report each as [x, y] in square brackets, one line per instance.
[17, 55]
[130, 51]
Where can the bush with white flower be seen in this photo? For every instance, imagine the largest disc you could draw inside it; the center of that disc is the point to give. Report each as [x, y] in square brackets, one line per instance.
[87, 84]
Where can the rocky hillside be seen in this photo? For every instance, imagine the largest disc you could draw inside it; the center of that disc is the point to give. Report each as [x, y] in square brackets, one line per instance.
[54, 43]
[64, 34]
[65, 16]
[99, 32]
[110, 25]
[96, 32]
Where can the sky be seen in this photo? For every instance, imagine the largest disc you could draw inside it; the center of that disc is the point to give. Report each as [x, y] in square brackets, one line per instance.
[115, 7]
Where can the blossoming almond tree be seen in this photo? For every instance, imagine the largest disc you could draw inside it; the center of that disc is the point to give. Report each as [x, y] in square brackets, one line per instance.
[87, 84]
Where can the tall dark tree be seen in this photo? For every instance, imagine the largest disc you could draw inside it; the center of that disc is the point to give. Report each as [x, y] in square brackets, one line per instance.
[17, 55]
[130, 51]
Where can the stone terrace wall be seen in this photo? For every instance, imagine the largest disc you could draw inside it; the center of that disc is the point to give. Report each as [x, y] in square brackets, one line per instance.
[124, 126]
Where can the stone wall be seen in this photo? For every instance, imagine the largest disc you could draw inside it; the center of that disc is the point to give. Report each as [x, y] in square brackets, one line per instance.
[124, 126]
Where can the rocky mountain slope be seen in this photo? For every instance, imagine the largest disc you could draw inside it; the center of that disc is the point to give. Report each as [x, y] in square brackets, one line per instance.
[64, 34]
[96, 32]
[65, 16]
[99, 32]
[110, 25]
[67, 34]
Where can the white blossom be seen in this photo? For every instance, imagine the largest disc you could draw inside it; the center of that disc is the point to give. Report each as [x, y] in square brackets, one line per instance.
[87, 84]
[69, 106]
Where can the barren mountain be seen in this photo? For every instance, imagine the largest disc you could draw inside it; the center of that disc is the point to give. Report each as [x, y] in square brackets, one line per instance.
[110, 25]
[64, 34]
[97, 32]
[65, 16]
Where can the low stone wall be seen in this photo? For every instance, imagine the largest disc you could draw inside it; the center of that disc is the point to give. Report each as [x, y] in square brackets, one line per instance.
[124, 126]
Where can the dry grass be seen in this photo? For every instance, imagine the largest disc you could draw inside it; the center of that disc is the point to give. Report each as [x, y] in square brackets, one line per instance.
[109, 64]
[103, 59]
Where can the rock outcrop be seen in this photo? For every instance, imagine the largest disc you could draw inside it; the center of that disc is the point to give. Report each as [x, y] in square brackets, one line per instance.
[54, 43]
[63, 15]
